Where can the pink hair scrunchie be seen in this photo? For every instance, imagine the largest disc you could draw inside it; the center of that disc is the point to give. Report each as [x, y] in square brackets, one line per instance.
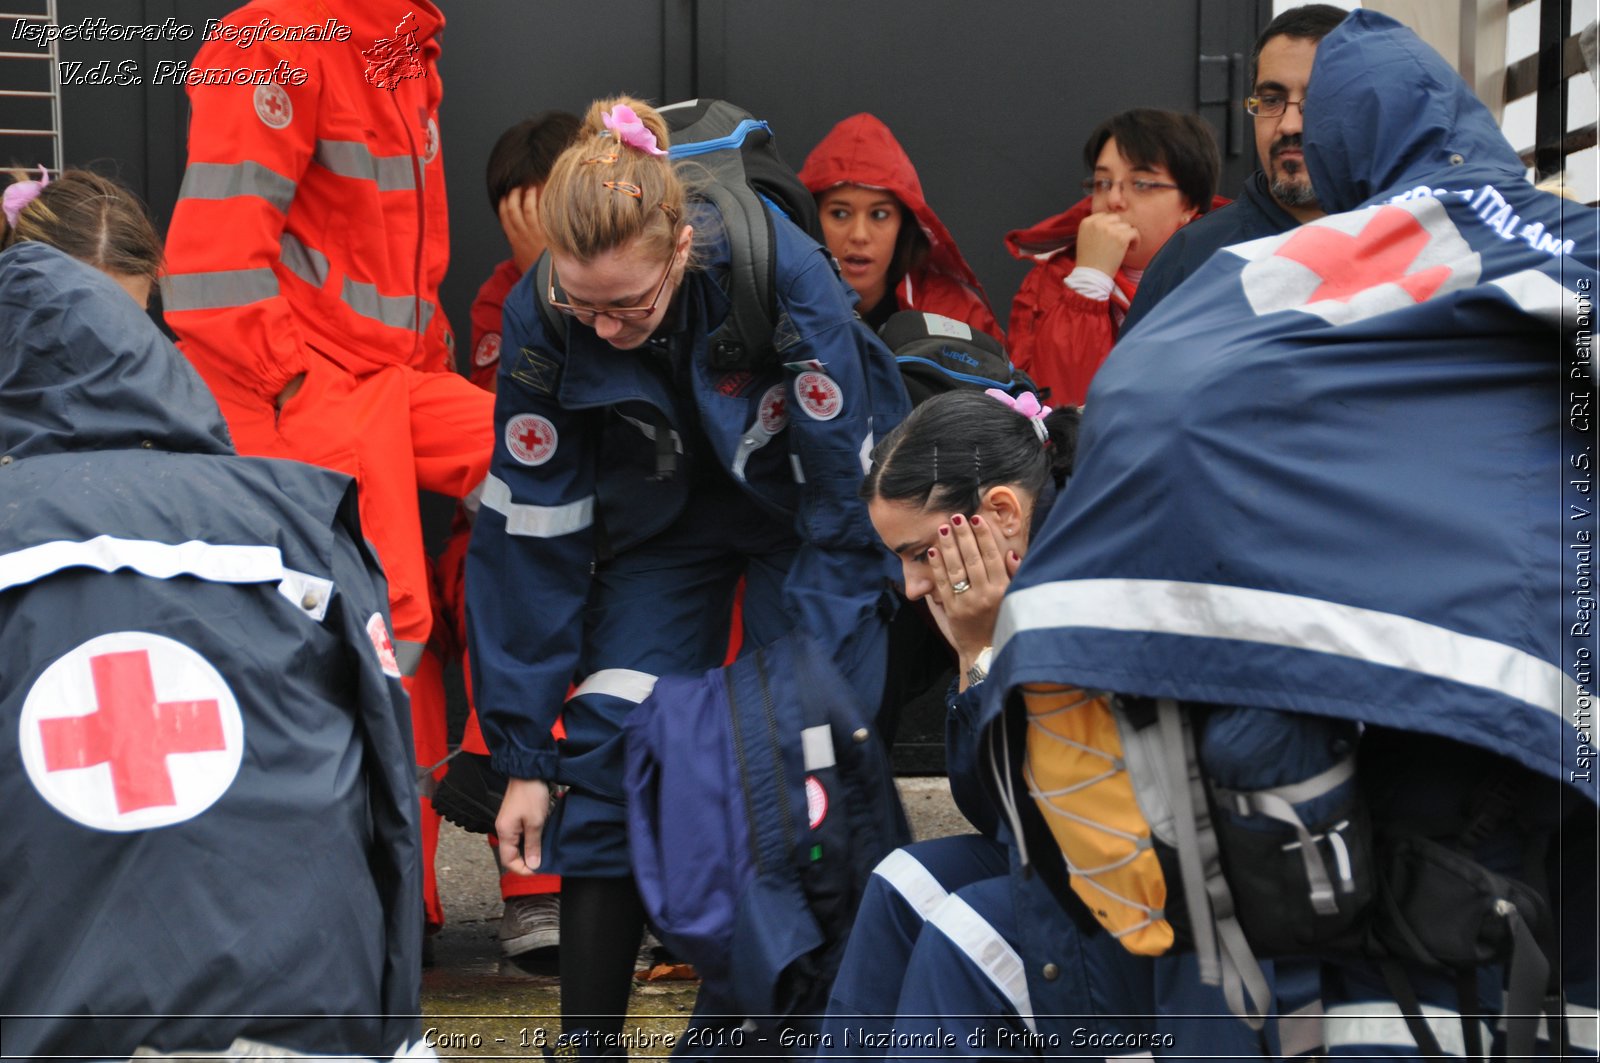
[627, 127]
[22, 193]
[1028, 405]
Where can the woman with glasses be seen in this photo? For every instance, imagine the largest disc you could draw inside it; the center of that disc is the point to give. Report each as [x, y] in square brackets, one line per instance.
[633, 483]
[1149, 173]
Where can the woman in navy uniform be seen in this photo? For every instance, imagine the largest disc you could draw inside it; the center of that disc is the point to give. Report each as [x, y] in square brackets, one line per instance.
[632, 484]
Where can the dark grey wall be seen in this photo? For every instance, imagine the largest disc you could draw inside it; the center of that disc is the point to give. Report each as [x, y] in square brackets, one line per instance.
[992, 100]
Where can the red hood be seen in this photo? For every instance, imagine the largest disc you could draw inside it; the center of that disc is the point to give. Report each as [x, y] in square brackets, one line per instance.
[1053, 236]
[861, 151]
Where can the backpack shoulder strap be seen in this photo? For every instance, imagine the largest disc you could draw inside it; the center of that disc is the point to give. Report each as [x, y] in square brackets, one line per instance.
[555, 323]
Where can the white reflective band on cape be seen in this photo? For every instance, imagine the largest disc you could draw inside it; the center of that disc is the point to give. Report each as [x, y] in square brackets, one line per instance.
[218, 564]
[1541, 296]
[538, 522]
[622, 683]
[1583, 1027]
[1378, 1024]
[912, 881]
[1209, 610]
[991, 953]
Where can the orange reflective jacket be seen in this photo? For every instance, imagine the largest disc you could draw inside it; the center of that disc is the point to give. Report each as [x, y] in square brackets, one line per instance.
[312, 213]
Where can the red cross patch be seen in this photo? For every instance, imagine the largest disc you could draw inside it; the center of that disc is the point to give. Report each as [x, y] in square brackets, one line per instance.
[131, 731]
[816, 802]
[378, 632]
[488, 351]
[774, 410]
[1347, 267]
[430, 148]
[273, 106]
[819, 395]
[531, 439]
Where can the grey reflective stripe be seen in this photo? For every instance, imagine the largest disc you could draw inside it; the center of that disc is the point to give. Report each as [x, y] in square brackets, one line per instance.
[408, 655]
[1583, 1027]
[1379, 1024]
[351, 158]
[755, 437]
[1300, 1031]
[1216, 611]
[221, 180]
[218, 289]
[989, 952]
[914, 882]
[396, 311]
[539, 522]
[307, 263]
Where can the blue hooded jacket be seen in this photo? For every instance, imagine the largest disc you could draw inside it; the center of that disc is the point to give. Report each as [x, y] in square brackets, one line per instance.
[1347, 469]
[155, 891]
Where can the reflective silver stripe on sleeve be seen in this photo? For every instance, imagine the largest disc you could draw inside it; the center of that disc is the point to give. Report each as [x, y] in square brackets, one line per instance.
[408, 656]
[206, 561]
[538, 522]
[988, 951]
[307, 263]
[624, 683]
[218, 289]
[396, 311]
[221, 180]
[351, 158]
[914, 882]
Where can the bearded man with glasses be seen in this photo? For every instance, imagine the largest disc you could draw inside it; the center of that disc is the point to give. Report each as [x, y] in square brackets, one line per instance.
[1277, 197]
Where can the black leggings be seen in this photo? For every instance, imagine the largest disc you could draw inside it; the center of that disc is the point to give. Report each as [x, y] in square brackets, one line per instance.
[602, 923]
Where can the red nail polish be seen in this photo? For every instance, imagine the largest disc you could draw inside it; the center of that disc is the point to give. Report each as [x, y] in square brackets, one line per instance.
[977, 521]
[943, 530]
[932, 553]
[956, 520]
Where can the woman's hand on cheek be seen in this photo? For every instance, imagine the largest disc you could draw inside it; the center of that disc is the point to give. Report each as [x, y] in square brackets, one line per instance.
[969, 551]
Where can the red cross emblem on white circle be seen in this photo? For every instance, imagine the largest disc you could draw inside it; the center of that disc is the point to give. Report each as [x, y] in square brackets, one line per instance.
[816, 802]
[774, 410]
[430, 148]
[819, 395]
[488, 350]
[273, 106]
[531, 439]
[1347, 267]
[131, 731]
[378, 632]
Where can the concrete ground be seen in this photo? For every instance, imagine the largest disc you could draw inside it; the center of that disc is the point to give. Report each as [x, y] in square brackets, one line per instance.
[478, 1006]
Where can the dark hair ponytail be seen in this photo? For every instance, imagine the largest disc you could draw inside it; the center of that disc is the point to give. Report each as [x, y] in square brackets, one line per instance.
[957, 445]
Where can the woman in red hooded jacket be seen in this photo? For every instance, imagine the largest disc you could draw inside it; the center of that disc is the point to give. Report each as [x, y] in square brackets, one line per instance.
[1150, 173]
[867, 191]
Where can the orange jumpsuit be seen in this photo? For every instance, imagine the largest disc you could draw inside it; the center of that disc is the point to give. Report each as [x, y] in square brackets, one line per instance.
[308, 243]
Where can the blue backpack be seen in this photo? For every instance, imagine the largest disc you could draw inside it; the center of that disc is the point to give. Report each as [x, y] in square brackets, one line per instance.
[759, 802]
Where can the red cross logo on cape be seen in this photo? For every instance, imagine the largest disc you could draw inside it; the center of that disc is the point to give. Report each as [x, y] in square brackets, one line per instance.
[1347, 267]
[819, 395]
[130, 731]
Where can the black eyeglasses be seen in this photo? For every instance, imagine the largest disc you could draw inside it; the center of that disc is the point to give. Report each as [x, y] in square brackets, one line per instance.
[1101, 186]
[1272, 104]
[586, 314]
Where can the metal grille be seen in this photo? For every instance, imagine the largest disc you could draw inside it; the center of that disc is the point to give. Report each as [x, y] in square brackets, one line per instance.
[1550, 108]
[30, 86]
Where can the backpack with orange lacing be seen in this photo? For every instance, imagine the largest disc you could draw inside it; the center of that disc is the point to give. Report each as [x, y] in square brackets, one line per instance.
[1245, 833]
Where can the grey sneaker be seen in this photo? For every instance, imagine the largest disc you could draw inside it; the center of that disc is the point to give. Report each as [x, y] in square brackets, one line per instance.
[529, 923]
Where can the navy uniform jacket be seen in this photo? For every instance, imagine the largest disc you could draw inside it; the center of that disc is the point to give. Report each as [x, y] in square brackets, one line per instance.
[1253, 215]
[1345, 470]
[204, 757]
[572, 477]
